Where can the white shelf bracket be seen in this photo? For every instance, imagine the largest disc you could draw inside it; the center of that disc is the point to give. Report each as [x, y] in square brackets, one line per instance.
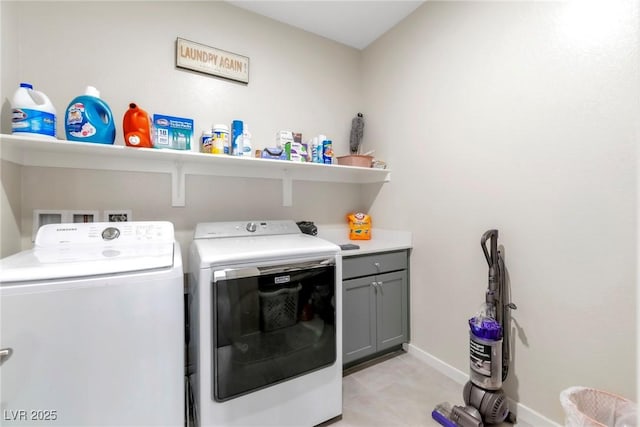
[287, 189]
[178, 186]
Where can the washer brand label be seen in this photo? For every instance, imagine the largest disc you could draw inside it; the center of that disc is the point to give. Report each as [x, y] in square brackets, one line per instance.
[282, 279]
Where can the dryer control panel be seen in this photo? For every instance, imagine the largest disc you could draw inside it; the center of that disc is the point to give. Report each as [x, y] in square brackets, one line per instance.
[215, 230]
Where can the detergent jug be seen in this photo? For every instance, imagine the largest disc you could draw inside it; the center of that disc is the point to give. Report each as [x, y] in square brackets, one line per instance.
[32, 113]
[136, 127]
[89, 119]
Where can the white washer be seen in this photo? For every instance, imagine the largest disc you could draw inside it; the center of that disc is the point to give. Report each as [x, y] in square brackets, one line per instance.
[92, 327]
[265, 309]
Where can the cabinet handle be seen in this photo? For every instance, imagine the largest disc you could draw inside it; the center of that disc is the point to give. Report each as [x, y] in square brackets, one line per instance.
[5, 353]
[377, 266]
[380, 287]
[375, 286]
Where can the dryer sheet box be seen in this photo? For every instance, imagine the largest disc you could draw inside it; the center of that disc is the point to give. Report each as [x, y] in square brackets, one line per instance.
[172, 132]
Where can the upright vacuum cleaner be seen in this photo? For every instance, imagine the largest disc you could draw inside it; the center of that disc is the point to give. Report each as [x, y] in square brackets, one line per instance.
[489, 352]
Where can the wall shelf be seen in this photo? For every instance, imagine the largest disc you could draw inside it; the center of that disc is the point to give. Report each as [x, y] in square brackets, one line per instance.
[31, 151]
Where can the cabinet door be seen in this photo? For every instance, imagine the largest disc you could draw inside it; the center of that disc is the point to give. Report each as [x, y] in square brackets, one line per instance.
[391, 292]
[358, 319]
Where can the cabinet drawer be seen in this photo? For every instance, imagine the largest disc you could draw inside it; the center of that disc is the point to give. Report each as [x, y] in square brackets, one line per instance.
[366, 265]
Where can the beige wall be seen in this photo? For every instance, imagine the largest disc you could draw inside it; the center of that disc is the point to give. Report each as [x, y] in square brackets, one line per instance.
[490, 114]
[10, 208]
[11, 189]
[298, 81]
[520, 116]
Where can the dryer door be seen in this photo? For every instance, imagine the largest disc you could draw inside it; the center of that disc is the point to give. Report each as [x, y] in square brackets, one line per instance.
[272, 324]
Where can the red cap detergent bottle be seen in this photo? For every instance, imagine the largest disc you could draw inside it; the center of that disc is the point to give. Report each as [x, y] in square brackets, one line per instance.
[89, 119]
[136, 126]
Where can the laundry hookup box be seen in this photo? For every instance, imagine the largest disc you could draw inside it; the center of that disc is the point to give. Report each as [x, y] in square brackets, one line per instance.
[172, 132]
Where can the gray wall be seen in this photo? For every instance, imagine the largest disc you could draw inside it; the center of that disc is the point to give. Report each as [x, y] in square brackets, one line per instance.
[520, 116]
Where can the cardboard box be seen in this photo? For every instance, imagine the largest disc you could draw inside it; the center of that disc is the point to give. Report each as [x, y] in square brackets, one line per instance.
[296, 152]
[283, 137]
[172, 132]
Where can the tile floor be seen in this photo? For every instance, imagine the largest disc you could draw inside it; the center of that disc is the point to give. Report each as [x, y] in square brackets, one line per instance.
[399, 391]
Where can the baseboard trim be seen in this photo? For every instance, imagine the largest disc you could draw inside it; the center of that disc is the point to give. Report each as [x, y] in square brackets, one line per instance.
[524, 413]
[440, 366]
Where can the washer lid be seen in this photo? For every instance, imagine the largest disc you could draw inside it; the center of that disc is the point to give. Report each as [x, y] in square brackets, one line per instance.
[243, 249]
[83, 250]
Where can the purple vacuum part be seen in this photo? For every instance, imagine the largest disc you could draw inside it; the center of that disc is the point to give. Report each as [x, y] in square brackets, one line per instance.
[487, 328]
[442, 419]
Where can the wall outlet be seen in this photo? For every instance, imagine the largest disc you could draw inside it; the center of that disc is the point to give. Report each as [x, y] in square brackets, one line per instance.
[51, 216]
[118, 215]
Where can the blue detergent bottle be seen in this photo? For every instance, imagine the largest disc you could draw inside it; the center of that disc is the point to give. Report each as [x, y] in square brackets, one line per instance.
[89, 119]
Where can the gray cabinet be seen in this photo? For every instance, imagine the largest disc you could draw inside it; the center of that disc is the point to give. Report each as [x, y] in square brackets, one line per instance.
[375, 300]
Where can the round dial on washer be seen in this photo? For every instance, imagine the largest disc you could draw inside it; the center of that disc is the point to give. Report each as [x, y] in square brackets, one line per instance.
[251, 227]
[110, 233]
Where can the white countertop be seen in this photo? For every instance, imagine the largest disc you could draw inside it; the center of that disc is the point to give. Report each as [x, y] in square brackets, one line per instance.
[382, 240]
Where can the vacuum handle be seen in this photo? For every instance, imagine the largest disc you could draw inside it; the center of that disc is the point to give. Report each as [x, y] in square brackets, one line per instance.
[492, 257]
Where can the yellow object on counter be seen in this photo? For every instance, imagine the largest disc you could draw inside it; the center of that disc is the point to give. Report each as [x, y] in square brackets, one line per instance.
[359, 226]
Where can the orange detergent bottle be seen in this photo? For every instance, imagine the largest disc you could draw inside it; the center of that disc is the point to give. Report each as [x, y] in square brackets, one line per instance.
[136, 126]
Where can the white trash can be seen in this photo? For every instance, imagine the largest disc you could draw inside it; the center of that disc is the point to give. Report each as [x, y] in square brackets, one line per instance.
[589, 407]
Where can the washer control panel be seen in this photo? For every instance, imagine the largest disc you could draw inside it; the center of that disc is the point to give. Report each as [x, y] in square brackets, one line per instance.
[126, 233]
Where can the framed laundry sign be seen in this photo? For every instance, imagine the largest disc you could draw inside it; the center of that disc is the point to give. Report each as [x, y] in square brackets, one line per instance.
[209, 60]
